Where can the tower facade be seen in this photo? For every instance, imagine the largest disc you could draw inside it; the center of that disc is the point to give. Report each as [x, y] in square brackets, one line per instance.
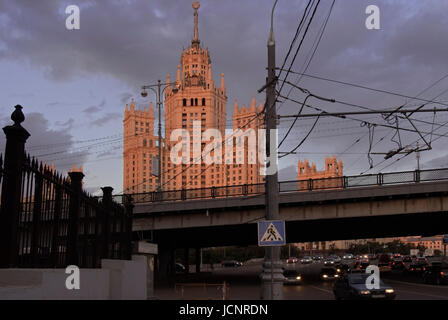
[194, 100]
[333, 169]
[139, 150]
[195, 103]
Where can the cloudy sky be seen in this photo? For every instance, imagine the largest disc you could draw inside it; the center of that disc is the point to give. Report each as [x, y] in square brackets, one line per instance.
[74, 84]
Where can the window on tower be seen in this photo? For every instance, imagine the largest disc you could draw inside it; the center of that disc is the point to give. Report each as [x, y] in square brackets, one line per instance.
[203, 101]
[184, 102]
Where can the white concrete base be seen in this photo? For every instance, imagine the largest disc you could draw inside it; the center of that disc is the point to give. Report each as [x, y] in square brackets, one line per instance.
[117, 279]
[127, 278]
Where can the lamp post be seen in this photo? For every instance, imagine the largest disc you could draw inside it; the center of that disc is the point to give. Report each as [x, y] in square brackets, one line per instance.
[158, 94]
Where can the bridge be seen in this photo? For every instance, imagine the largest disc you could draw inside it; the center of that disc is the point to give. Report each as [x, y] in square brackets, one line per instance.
[368, 206]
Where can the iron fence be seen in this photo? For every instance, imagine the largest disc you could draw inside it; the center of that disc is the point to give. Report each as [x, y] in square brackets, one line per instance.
[48, 220]
[333, 183]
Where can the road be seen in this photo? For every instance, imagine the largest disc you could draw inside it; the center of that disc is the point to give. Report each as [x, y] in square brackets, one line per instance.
[243, 284]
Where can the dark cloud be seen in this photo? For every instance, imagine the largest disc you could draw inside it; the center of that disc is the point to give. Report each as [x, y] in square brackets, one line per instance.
[68, 125]
[138, 42]
[108, 117]
[48, 145]
[95, 109]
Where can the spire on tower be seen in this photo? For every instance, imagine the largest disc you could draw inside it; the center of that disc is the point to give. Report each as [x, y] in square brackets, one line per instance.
[223, 83]
[178, 75]
[168, 80]
[253, 104]
[195, 40]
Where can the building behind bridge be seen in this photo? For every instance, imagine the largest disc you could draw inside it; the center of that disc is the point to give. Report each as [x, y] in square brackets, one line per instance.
[193, 98]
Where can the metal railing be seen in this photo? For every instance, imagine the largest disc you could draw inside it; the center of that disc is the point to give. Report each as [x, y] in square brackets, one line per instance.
[48, 220]
[335, 183]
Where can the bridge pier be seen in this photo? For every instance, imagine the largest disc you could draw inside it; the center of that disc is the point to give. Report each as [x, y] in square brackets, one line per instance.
[166, 263]
[187, 260]
[198, 260]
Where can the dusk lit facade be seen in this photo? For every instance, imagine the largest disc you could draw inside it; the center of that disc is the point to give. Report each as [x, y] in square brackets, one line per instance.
[192, 99]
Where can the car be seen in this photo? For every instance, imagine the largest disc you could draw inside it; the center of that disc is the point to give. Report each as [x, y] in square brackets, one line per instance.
[318, 258]
[421, 260]
[328, 273]
[231, 263]
[437, 273]
[372, 256]
[414, 267]
[384, 262]
[397, 264]
[329, 262]
[361, 264]
[348, 257]
[353, 286]
[292, 277]
[343, 268]
[406, 259]
[335, 258]
[306, 260]
[292, 260]
[180, 268]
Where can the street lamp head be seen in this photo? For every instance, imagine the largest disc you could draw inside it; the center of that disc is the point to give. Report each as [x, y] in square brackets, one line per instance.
[144, 93]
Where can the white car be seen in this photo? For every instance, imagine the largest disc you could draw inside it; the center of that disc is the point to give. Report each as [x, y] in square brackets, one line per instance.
[306, 260]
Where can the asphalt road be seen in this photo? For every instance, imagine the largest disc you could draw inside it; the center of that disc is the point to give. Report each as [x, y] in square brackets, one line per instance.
[242, 283]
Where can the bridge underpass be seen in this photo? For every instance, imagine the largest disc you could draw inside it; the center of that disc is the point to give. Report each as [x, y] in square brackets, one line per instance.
[367, 212]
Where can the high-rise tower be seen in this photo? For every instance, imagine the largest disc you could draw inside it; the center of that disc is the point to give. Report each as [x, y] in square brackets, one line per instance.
[192, 99]
[196, 99]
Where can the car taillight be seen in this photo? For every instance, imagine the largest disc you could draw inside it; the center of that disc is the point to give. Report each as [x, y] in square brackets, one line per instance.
[424, 268]
[412, 269]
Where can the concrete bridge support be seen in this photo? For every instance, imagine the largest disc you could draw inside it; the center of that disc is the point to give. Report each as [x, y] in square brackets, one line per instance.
[166, 263]
[198, 260]
[187, 260]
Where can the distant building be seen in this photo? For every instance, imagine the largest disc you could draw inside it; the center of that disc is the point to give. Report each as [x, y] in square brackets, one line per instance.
[320, 179]
[432, 243]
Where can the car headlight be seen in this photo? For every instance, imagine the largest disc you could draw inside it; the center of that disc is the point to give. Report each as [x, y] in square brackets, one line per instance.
[390, 291]
[338, 270]
[365, 292]
[298, 277]
[325, 276]
[336, 276]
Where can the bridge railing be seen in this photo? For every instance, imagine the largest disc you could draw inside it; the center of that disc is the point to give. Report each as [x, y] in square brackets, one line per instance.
[332, 183]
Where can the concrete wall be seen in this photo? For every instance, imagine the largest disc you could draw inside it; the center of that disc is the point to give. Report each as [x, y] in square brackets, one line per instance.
[127, 278]
[117, 279]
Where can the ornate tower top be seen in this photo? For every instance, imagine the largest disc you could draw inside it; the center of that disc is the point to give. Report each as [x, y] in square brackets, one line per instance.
[195, 42]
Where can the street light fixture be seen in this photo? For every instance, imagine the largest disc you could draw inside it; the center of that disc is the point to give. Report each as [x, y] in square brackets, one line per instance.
[158, 94]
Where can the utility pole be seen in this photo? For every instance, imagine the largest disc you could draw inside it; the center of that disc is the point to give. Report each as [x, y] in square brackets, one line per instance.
[271, 277]
[417, 155]
[159, 105]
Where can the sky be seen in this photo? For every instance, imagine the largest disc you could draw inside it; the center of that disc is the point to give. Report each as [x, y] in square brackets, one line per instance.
[74, 84]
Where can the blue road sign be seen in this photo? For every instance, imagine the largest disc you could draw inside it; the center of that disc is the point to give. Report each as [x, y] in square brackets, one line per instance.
[271, 233]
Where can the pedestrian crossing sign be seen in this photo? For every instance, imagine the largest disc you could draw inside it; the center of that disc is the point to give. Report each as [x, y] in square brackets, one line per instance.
[271, 233]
